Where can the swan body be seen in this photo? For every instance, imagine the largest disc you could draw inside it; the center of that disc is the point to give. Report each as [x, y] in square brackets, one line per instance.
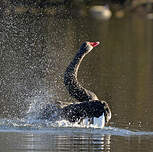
[89, 106]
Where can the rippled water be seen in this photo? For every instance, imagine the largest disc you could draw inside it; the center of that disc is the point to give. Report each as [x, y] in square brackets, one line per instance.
[30, 135]
[34, 52]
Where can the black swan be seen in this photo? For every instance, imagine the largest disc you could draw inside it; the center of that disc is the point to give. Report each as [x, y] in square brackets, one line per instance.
[89, 106]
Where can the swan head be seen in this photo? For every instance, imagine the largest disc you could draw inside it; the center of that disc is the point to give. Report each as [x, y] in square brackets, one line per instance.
[86, 47]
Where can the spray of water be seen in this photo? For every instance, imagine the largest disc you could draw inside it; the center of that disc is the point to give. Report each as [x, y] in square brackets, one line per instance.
[37, 105]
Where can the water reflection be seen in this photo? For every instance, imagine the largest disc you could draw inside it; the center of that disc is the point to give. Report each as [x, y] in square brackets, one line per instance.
[24, 141]
[52, 142]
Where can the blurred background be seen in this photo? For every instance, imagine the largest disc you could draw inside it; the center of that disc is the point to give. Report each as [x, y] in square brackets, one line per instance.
[38, 39]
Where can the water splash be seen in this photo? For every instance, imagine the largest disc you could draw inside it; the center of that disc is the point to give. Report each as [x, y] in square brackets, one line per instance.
[30, 122]
[63, 127]
[38, 103]
[97, 122]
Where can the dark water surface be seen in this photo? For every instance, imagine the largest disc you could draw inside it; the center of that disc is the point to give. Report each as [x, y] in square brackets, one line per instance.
[34, 52]
[75, 139]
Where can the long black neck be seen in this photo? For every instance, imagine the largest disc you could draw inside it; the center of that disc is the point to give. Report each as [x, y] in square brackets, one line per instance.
[71, 81]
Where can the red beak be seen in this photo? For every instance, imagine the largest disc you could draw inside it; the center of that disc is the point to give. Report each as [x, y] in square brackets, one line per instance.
[94, 44]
